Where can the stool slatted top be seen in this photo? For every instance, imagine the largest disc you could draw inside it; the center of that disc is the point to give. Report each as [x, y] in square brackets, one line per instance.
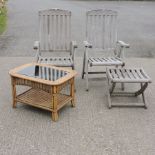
[128, 75]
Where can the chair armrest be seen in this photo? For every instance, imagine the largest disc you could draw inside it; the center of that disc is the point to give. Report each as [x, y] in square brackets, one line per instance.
[74, 44]
[87, 45]
[36, 45]
[119, 52]
[123, 44]
[73, 48]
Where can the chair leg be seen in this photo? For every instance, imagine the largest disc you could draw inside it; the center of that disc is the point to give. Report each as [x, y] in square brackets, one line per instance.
[87, 86]
[73, 67]
[109, 101]
[122, 84]
[83, 69]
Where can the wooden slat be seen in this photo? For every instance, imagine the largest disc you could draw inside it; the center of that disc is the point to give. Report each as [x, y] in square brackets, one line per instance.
[103, 31]
[104, 59]
[144, 73]
[58, 61]
[109, 60]
[125, 74]
[130, 75]
[65, 24]
[135, 74]
[114, 74]
[109, 72]
[42, 99]
[119, 74]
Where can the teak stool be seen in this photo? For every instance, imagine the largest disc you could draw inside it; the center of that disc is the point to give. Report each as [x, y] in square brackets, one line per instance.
[123, 75]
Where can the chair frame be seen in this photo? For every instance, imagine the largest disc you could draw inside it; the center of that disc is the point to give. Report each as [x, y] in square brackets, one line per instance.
[73, 44]
[118, 51]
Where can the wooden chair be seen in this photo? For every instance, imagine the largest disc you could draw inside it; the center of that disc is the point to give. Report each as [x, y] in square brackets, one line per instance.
[101, 36]
[55, 36]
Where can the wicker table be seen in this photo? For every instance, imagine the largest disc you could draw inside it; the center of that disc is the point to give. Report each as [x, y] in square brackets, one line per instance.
[124, 75]
[46, 84]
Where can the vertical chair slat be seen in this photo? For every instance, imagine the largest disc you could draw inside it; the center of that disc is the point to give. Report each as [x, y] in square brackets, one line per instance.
[51, 27]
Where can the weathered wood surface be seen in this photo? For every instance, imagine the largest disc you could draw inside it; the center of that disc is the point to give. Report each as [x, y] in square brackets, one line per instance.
[55, 30]
[128, 75]
[55, 36]
[108, 61]
[101, 30]
[57, 61]
[101, 36]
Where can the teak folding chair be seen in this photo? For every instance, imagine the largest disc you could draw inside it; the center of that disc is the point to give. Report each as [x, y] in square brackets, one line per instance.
[55, 36]
[101, 36]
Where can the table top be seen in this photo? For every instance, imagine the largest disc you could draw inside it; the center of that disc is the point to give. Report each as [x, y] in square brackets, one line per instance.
[43, 73]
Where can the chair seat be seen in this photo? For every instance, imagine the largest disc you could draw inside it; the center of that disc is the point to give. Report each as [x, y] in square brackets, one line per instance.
[109, 61]
[57, 61]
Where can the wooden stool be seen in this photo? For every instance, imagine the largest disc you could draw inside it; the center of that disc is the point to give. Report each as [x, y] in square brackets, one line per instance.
[123, 75]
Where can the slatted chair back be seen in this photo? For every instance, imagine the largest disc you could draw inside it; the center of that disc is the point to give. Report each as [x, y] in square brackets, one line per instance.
[55, 30]
[101, 30]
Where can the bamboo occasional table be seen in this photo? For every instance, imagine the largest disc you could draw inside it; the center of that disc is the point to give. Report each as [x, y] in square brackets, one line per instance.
[46, 83]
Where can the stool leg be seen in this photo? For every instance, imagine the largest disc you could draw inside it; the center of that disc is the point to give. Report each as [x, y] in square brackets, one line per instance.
[108, 92]
[112, 88]
[143, 97]
[122, 86]
[87, 86]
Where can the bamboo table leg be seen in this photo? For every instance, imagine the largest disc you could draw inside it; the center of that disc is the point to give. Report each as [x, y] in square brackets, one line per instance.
[72, 92]
[13, 92]
[54, 104]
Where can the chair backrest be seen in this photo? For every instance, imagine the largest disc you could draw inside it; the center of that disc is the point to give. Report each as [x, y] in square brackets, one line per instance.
[54, 30]
[101, 28]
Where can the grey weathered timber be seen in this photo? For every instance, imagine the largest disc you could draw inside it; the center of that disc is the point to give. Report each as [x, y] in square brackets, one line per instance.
[124, 75]
[101, 35]
[55, 36]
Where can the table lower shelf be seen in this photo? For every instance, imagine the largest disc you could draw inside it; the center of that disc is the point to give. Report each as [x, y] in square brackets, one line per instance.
[41, 99]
